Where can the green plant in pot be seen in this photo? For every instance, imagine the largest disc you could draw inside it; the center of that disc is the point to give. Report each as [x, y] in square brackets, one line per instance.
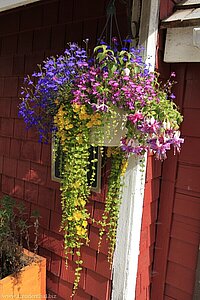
[15, 261]
[83, 100]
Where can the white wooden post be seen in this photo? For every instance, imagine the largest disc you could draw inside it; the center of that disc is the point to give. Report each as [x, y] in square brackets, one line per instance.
[125, 262]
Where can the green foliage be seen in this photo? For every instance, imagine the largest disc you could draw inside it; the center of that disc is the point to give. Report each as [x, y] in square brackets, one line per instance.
[110, 216]
[13, 229]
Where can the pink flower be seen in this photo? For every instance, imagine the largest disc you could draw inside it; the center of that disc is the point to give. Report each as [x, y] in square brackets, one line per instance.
[136, 117]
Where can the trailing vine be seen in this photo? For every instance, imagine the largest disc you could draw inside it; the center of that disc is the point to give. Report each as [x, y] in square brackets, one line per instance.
[73, 125]
[113, 199]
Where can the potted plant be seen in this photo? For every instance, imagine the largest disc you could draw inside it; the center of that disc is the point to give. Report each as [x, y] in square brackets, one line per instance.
[109, 99]
[22, 272]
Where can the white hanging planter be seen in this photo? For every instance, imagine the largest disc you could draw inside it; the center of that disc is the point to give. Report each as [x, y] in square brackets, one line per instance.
[113, 129]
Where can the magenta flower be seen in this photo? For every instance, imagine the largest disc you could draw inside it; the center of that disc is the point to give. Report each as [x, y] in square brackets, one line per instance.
[134, 118]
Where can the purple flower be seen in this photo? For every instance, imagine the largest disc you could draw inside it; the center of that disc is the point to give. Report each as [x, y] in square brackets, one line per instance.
[172, 96]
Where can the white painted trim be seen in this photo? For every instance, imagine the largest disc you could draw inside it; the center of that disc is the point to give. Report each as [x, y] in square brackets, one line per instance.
[128, 233]
[186, 41]
[9, 4]
[152, 33]
[125, 263]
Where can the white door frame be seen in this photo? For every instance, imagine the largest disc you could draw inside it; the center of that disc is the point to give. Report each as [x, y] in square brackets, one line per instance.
[125, 263]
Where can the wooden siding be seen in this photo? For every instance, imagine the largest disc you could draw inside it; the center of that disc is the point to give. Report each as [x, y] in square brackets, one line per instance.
[148, 230]
[178, 227]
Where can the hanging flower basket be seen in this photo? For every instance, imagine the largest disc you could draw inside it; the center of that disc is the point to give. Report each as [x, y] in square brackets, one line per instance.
[112, 130]
[111, 99]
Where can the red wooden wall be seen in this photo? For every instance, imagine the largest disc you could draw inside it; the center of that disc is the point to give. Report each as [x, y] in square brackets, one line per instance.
[148, 230]
[178, 226]
[28, 35]
[178, 234]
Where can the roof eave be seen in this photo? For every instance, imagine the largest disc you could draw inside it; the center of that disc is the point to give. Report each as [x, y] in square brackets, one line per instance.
[10, 4]
[180, 23]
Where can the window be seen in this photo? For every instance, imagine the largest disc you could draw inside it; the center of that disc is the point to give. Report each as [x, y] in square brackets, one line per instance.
[96, 185]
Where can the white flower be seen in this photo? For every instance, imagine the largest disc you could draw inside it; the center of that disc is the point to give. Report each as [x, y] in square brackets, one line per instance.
[127, 71]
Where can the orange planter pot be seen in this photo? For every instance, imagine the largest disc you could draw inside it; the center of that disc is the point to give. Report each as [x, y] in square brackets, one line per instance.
[29, 283]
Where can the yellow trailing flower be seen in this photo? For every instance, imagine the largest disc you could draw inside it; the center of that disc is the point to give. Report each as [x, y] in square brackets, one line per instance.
[69, 126]
[89, 124]
[109, 152]
[80, 202]
[76, 184]
[95, 120]
[112, 151]
[76, 107]
[76, 202]
[81, 230]
[124, 166]
[83, 115]
[84, 224]
[59, 118]
[77, 215]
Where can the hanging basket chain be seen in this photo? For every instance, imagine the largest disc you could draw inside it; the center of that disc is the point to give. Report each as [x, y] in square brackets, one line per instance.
[108, 27]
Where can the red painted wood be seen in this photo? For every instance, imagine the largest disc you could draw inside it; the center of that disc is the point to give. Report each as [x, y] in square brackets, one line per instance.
[191, 122]
[31, 192]
[8, 185]
[97, 285]
[52, 283]
[103, 267]
[175, 293]
[188, 178]
[179, 218]
[5, 106]
[187, 206]
[81, 295]
[191, 224]
[191, 94]
[47, 254]
[1, 164]
[184, 232]
[55, 220]
[166, 8]
[147, 236]
[94, 240]
[31, 151]
[89, 257]
[23, 169]
[55, 264]
[6, 127]
[179, 252]
[190, 151]
[180, 277]
[164, 220]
